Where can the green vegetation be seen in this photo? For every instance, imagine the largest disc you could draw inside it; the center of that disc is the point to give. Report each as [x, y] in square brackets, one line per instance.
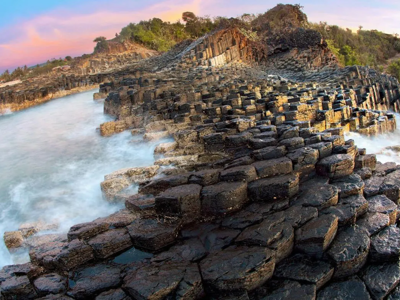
[372, 48]
[25, 72]
[394, 69]
[162, 36]
[364, 47]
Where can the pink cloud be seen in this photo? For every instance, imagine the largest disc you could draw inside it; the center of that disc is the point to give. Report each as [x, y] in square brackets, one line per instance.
[65, 33]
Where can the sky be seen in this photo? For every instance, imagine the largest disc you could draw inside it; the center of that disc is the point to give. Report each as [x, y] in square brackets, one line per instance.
[32, 32]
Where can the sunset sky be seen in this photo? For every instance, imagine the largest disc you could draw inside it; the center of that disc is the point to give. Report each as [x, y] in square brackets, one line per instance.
[32, 32]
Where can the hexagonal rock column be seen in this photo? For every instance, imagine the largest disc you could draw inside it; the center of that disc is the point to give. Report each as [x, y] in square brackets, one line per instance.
[93, 280]
[349, 251]
[305, 269]
[385, 246]
[382, 204]
[381, 279]
[223, 197]
[275, 188]
[316, 236]
[110, 242]
[335, 166]
[182, 201]
[240, 268]
[351, 289]
[164, 280]
[153, 235]
[318, 195]
[273, 167]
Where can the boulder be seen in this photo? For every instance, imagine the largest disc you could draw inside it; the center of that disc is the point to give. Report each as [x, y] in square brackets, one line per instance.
[237, 268]
[181, 201]
[51, 283]
[110, 242]
[381, 279]
[273, 167]
[315, 236]
[305, 269]
[275, 188]
[177, 280]
[240, 173]
[13, 239]
[350, 289]
[223, 197]
[91, 281]
[153, 235]
[335, 166]
[356, 244]
[385, 245]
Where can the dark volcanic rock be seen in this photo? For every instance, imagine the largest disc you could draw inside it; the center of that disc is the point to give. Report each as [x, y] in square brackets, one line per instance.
[159, 185]
[373, 222]
[74, 254]
[240, 173]
[153, 235]
[336, 166]
[349, 185]
[348, 209]
[351, 289]
[276, 188]
[86, 231]
[383, 204]
[319, 195]
[373, 185]
[381, 279]
[223, 197]
[181, 201]
[273, 167]
[385, 246]
[240, 268]
[110, 242]
[115, 294]
[269, 153]
[190, 250]
[205, 177]
[285, 290]
[218, 239]
[305, 269]
[316, 236]
[50, 284]
[164, 281]
[391, 186]
[18, 287]
[349, 251]
[93, 280]
[297, 216]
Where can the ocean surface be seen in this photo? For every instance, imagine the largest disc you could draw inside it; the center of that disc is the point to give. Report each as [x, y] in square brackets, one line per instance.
[52, 160]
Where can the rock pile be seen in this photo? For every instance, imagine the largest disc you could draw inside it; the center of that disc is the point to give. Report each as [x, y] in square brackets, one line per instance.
[265, 200]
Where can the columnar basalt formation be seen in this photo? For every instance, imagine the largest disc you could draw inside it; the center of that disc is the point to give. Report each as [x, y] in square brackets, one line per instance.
[259, 196]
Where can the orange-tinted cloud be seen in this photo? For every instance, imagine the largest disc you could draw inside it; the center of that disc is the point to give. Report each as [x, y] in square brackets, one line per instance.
[64, 33]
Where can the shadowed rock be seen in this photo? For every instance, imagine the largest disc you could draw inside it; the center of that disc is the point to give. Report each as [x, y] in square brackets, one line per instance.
[181, 201]
[349, 185]
[351, 289]
[205, 177]
[18, 288]
[93, 280]
[381, 279]
[223, 197]
[153, 235]
[373, 222]
[164, 280]
[305, 269]
[349, 251]
[335, 166]
[285, 289]
[115, 294]
[110, 242]
[240, 268]
[385, 246]
[315, 236]
[273, 167]
[240, 173]
[276, 188]
[50, 284]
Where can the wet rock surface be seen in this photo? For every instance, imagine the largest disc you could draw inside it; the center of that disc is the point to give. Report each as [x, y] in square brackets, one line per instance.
[258, 197]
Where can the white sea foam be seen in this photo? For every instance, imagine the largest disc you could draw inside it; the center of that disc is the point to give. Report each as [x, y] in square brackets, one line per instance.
[52, 162]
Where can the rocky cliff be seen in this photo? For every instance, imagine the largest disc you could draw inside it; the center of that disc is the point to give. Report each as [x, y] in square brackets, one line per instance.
[259, 196]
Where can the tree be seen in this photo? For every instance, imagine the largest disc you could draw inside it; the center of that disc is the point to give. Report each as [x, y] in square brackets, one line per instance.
[102, 44]
[188, 16]
[68, 58]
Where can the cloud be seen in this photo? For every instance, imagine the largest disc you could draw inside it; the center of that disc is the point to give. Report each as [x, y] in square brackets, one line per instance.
[63, 32]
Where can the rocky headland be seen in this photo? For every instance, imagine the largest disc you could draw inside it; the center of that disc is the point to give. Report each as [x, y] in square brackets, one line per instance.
[259, 196]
